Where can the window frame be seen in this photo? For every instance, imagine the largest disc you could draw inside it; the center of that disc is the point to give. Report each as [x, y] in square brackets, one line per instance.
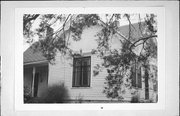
[136, 81]
[73, 75]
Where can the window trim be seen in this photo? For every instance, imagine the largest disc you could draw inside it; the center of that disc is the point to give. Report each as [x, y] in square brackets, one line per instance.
[73, 78]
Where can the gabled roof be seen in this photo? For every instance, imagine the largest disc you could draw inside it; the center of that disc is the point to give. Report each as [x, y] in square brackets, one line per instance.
[135, 30]
[33, 56]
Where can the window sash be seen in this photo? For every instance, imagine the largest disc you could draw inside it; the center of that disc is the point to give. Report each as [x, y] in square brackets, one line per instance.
[136, 82]
[81, 72]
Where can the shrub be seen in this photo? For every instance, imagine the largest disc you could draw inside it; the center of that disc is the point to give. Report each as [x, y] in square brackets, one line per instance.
[135, 99]
[27, 94]
[57, 94]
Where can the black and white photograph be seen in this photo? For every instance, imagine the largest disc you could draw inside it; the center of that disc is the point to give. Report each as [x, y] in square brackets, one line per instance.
[90, 58]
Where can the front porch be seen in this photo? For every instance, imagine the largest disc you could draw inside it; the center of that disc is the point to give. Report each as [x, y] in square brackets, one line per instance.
[36, 79]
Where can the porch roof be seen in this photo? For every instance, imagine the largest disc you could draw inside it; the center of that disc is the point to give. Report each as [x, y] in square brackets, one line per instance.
[33, 55]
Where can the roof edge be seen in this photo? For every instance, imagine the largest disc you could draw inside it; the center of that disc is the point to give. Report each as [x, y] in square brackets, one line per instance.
[36, 62]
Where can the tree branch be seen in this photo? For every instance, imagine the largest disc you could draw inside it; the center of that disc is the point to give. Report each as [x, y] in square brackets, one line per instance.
[106, 25]
[111, 18]
[128, 18]
[60, 29]
[144, 38]
[69, 31]
[26, 20]
[64, 25]
[139, 23]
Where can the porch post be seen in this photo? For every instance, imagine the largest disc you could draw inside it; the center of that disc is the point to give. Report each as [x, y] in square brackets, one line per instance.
[34, 72]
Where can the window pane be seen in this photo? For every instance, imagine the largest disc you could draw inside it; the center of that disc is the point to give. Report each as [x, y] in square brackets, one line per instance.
[77, 62]
[81, 72]
[77, 76]
[133, 76]
[85, 76]
[139, 78]
[86, 61]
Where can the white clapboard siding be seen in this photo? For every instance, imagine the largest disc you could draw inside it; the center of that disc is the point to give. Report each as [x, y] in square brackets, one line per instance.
[62, 72]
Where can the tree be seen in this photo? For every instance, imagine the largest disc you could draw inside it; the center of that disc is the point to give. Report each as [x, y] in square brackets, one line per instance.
[118, 62]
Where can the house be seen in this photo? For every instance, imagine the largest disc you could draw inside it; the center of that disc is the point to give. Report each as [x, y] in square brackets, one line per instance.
[75, 73]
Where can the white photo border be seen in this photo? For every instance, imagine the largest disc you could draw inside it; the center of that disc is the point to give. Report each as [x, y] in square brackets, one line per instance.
[19, 105]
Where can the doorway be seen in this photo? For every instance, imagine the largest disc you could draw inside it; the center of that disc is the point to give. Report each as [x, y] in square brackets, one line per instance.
[36, 82]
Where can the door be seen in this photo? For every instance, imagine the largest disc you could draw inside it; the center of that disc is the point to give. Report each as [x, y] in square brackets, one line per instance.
[36, 82]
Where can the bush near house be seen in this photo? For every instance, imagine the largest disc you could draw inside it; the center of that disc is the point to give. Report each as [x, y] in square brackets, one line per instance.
[54, 94]
[27, 94]
[135, 99]
[57, 94]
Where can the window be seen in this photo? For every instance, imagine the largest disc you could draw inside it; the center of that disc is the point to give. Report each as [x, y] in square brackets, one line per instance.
[136, 78]
[81, 72]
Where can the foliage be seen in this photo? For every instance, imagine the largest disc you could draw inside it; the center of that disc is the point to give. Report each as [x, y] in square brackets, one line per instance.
[80, 22]
[54, 94]
[57, 94]
[27, 94]
[135, 99]
[118, 62]
[28, 20]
